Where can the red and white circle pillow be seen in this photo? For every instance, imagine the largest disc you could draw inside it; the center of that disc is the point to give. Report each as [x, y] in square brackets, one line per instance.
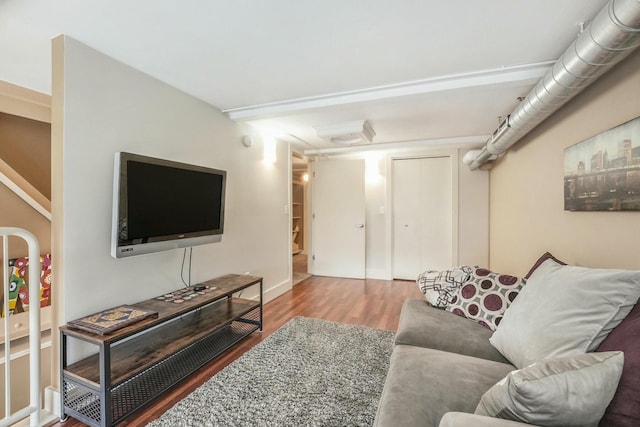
[485, 296]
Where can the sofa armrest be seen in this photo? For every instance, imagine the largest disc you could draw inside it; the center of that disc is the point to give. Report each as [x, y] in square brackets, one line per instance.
[462, 419]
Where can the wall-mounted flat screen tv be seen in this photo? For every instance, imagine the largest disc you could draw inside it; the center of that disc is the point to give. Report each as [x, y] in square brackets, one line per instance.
[160, 205]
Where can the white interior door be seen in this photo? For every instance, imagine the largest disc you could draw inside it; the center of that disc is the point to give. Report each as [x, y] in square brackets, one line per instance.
[338, 219]
[423, 216]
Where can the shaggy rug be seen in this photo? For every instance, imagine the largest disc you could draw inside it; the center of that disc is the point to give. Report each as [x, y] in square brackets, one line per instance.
[310, 372]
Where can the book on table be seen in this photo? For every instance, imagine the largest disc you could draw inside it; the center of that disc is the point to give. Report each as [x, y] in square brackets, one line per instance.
[108, 321]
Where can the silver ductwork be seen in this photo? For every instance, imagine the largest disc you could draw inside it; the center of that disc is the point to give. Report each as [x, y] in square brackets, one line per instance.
[612, 35]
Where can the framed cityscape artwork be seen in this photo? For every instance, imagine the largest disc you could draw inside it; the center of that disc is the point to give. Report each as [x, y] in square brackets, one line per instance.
[602, 173]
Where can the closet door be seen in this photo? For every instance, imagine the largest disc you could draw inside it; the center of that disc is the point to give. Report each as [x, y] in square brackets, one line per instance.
[422, 216]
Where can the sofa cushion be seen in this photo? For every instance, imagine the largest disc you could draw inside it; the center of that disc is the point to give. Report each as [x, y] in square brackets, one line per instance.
[485, 296]
[423, 384]
[424, 326]
[563, 311]
[439, 287]
[624, 409]
[569, 391]
[463, 419]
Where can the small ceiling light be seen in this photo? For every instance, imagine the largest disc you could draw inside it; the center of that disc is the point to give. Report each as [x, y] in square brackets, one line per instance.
[355, 132]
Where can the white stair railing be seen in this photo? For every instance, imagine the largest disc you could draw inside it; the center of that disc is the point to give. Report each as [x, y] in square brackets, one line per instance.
[33, 410]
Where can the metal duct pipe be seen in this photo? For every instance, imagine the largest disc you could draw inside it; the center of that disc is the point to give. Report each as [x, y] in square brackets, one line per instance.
[612, 35]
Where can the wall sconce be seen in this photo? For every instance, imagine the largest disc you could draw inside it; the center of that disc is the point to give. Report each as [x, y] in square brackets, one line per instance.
[372, 167]
[305, 177]
[269, 153]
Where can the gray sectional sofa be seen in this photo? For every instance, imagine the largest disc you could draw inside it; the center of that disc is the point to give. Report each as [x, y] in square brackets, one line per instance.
[441, 366]
[566, 352]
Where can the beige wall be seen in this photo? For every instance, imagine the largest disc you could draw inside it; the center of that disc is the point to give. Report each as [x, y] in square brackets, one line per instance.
[17, 213]
[473, 215]
[527, 214]
[25, 141]
[25, 145]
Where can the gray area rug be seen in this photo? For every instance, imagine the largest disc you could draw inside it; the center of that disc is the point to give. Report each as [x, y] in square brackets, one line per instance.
[310, 372]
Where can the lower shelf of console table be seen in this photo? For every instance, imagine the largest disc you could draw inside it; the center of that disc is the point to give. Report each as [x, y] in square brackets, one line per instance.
[136, 364]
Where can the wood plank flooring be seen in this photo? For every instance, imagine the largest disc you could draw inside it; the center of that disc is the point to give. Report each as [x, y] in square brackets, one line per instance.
[372, 303]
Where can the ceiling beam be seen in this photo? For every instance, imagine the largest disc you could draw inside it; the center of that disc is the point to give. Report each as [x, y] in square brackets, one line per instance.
[453, 142]
[520, 74]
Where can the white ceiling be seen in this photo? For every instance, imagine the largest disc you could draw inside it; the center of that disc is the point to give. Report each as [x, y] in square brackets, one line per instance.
[440, 72]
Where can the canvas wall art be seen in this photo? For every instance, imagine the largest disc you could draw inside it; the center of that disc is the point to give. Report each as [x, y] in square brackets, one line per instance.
[602, 173]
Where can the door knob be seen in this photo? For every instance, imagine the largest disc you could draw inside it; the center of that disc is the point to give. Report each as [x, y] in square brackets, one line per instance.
[360, 225]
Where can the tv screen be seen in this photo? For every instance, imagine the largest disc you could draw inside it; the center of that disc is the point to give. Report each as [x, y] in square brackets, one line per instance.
[161, 204]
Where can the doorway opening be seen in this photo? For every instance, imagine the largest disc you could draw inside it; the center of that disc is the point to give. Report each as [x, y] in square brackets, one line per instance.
[299, 224]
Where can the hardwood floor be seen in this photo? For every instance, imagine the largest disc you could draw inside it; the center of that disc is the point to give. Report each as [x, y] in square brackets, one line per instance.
[372, 303]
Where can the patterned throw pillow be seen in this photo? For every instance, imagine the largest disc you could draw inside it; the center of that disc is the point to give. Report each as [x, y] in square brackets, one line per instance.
[624, 410]
[485, 296]
[19, 280]
[441, 286]
[565, 391]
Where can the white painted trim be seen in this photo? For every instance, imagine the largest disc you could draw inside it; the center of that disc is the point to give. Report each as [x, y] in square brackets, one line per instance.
[276, 290]
[454, 142]
[23, 102]
[52, 401]
[521, 74]
[388, 221]
[24, 196]
[289, 209]
[21, 187]
[45, 418]
[267, 294]
[378, 274]
[23, 353]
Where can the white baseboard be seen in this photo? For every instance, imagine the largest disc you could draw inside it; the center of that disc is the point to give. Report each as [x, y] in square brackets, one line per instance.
[378, 274]
[276, 290]
[272, 293]
[52, 401]
[45, 418]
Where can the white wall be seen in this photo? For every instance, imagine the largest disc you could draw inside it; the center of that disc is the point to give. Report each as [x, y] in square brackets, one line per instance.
[105, 107]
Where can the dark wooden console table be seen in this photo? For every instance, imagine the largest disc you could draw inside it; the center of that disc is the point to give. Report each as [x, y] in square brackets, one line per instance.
[137, 363]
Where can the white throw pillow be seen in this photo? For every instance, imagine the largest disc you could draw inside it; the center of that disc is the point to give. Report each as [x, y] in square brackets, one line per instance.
[441, 286]
[573, 391]
[564, 310]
